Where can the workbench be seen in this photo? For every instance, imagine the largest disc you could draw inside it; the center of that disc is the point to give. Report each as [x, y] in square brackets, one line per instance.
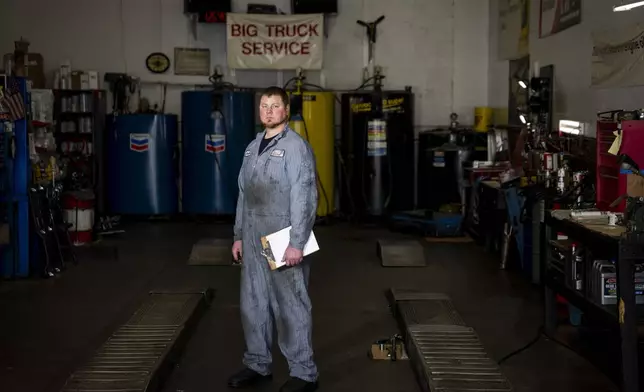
[607, 242]
[489, 214]
[479, 207]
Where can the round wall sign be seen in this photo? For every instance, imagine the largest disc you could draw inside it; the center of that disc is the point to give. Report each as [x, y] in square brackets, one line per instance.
[157, 63]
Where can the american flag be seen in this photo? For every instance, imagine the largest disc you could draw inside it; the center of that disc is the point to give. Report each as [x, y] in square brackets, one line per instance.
[11, 100]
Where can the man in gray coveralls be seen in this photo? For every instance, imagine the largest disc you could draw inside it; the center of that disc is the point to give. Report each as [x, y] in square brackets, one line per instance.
[277, 189]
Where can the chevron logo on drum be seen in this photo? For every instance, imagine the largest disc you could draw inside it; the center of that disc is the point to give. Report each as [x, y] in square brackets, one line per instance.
[139, 142]
[215, 143]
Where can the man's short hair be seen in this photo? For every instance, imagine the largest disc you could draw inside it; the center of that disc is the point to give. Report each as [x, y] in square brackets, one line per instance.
[275, 90]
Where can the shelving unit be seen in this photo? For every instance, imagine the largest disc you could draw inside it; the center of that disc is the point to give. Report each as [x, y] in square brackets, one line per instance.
[79, 117]
[622, 319]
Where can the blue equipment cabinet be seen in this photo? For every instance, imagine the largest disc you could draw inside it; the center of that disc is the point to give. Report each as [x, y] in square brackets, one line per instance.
[216, 129]
[14, 189]
[141, 164]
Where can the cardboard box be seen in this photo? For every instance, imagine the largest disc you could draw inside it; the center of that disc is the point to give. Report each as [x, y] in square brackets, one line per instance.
[634, 185]
[77, 77]
[93, 80]
[33, 68]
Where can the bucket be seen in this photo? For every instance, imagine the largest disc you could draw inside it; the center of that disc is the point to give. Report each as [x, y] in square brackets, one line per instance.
[483, 118]
[78, 211]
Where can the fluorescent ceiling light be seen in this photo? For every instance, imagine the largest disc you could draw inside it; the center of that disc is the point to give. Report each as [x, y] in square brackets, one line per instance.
[569, 123]
[628, 7]
[571, 127]
[522, 84]
[572, 131]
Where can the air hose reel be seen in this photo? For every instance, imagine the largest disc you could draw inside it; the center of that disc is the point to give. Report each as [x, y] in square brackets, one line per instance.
[371, 33]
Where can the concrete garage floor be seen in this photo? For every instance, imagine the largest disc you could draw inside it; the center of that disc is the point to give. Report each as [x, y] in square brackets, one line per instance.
[49, 327]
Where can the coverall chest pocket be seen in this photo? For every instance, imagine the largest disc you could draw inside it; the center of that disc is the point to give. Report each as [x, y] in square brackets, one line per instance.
[246, 166]
[276, 169]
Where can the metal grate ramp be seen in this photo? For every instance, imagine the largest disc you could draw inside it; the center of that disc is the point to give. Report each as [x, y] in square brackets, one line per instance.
[416, 307]
[453, 360]
[211, 251]
[141, 352]
[446, 354]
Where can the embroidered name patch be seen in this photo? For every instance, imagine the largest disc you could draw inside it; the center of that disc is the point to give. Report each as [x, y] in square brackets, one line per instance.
[247, 153]
[277, 153]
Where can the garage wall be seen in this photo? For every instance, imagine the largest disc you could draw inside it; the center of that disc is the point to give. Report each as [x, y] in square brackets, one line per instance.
[438, 47]
[498, 75]
[571, 51]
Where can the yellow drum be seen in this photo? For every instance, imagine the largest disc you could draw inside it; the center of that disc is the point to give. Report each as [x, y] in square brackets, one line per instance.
[317, 127]
[483, 118]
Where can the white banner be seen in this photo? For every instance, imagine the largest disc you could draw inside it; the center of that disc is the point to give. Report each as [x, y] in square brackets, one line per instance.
[257, 41]
[618, 56]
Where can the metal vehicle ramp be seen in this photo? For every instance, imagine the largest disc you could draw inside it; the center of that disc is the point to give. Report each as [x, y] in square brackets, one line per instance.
[143, 351]
[211, 251]
[400, 253]
[447, 355]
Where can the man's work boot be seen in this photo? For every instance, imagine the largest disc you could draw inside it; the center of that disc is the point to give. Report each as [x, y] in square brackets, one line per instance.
[247, 378]
[295, 384]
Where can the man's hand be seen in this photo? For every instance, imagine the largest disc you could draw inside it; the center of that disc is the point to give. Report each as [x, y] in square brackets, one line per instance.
[237, 251]
[293, 256]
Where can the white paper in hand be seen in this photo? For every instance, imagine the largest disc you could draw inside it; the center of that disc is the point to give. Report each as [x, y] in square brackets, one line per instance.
[279, 241]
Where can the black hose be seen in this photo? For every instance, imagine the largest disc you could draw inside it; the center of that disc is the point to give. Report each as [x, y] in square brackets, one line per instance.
[365, 83]
[365, 146]
[343, 168]
[222, 121]
[289, 82]
[389, 166]
[337, 99]
[224, 126]
[165, 92]
[218, 84]
[541, 333]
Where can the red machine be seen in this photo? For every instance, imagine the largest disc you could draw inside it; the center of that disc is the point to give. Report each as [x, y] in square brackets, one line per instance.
[611, 179]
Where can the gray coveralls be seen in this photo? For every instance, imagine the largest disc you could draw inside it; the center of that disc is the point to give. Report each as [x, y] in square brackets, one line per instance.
[277, 189]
